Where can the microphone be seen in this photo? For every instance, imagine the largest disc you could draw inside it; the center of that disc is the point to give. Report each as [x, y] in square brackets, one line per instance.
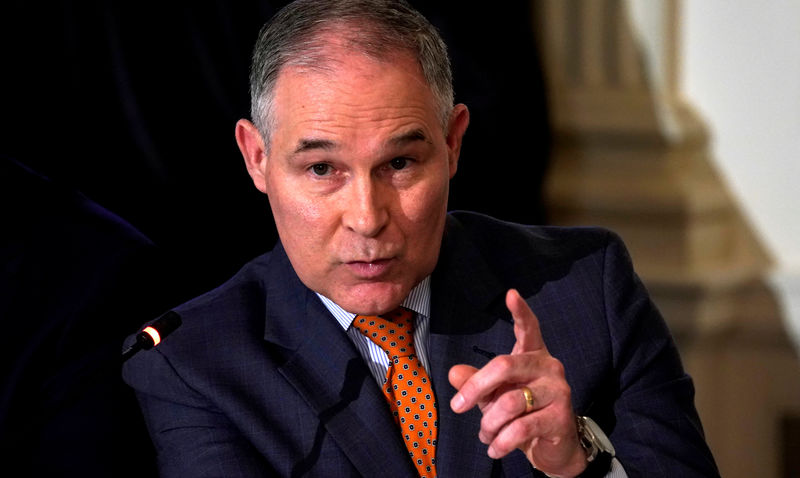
[152, 335]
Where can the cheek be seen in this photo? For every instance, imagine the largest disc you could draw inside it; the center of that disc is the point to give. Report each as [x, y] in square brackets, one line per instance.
[295, 216]
[301, 229]
[428, 204]
[308, 212]
[425, 214]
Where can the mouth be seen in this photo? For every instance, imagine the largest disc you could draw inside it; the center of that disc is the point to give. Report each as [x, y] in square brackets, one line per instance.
[372, 269]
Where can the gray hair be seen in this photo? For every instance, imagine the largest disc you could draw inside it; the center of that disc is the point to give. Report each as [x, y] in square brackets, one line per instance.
[376, 28]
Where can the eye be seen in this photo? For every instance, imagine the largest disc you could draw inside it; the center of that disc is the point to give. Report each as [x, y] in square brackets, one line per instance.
[399, 163]
[321, 169]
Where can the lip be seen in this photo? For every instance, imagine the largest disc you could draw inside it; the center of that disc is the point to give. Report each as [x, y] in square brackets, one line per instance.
[369, 269]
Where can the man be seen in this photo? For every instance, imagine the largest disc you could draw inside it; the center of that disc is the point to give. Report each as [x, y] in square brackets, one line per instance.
[279, 372]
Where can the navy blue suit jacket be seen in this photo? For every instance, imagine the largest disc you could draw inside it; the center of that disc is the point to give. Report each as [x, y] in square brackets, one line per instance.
[260, 380]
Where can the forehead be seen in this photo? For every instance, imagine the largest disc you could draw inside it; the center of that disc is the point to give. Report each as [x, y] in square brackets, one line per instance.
[352, 91]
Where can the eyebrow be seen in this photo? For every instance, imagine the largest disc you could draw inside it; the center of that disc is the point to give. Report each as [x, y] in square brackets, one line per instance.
[409, 137]
[311, 144]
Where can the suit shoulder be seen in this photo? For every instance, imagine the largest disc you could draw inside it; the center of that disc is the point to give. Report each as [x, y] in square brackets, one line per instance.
[234, 306]
[237, 297]
[497, 239]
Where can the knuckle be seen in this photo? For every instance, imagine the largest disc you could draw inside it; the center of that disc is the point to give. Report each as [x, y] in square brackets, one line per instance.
[509, 403]
[566, 393]
[555, 367]
[504, 441]
[518, 432]
[562, 392]
[527, 428]
[503, 364]
[485, 431]
[518, 428]
[488, 426]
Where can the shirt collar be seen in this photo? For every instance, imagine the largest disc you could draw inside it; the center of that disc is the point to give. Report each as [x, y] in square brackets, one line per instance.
[418, 300]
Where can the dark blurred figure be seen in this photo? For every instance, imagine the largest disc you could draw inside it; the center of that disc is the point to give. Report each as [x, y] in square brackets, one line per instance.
[497, 74]
[75, 280]
[134, 104]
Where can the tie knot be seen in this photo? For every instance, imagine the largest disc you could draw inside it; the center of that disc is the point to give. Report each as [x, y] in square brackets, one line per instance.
[393, 331]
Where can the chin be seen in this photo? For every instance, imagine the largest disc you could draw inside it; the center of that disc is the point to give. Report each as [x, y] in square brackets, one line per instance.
[372, 299]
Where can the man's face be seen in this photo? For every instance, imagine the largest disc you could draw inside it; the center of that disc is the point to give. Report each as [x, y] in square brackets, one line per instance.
[357, 175]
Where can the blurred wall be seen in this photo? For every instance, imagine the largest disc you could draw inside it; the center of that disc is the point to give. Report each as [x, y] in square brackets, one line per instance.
[741, 69]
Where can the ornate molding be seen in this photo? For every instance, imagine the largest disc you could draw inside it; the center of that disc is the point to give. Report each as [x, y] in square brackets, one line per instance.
[630, 154]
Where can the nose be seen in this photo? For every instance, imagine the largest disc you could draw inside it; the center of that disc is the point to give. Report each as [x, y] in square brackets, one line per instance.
[366, 210]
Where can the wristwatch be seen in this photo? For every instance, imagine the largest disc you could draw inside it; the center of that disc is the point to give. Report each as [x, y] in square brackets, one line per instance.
[598, 448]
[592, 439]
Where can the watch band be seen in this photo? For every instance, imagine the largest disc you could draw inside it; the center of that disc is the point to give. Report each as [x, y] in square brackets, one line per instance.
[598, 448]
[599, 467]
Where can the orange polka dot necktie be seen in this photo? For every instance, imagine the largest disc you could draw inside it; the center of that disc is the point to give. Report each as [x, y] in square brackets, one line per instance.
[407, 388]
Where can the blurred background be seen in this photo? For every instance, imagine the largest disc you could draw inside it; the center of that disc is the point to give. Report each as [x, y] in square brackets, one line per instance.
[672, 122]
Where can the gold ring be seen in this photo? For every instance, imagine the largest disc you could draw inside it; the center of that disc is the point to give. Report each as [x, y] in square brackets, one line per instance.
[528, 394]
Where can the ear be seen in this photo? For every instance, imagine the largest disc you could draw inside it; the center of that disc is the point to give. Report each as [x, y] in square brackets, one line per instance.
[459, 120]
[251, 144]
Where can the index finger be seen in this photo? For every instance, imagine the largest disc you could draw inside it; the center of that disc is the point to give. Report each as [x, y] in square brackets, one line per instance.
[526, 325]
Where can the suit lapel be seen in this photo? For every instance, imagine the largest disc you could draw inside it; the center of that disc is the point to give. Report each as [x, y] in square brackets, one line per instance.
[327, 371]
[469, 325]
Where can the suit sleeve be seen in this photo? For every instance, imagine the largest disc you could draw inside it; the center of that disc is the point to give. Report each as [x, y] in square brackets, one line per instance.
[657, 431]
[191, 437]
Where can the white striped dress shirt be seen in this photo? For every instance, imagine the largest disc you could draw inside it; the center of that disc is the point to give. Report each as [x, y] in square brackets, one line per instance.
[419, 302]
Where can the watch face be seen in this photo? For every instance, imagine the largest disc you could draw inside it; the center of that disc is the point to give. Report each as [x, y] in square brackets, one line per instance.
[593, 434]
